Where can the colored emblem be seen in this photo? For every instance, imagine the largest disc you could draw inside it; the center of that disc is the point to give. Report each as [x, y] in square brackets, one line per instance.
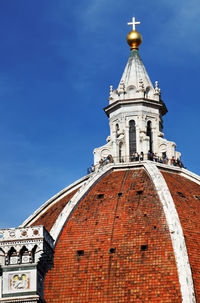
[19, 281]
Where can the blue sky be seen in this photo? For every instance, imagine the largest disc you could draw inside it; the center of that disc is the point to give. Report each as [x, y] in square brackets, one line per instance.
[57, 61]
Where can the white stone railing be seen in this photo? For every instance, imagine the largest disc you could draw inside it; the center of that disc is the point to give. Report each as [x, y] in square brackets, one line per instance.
[136, 158]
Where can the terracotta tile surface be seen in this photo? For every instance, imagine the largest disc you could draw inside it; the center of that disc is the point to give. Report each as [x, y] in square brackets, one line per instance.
[186, 196]
[49, 217]
[115, 247]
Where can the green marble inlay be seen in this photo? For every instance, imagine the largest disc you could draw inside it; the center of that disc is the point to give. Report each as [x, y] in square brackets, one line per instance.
[134, 53]
[28, 293]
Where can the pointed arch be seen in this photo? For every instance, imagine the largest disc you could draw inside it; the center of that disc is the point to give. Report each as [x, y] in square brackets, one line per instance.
[23, 255]
[33, 253]
[12, 253]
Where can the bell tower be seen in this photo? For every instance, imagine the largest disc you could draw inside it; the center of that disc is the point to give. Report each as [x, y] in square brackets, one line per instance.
[135, 112]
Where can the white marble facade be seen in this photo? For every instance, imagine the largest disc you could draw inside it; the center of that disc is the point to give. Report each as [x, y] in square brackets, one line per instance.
[26, 254]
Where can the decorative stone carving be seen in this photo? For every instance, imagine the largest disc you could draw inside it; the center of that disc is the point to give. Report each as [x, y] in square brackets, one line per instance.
[26, 254]
[19, 281]
[121, 88]
[140, 89]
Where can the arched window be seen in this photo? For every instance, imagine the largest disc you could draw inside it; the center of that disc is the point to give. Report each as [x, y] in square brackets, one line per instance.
[33, 253]
[116, 129]
[147, 92]
[132, 137]
[12, 257]
[120, 152]
[149, 134]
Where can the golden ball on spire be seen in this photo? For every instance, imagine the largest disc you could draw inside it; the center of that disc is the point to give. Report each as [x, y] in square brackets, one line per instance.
[134, 39]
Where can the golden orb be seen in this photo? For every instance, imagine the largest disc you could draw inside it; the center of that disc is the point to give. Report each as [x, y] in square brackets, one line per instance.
[134, 39]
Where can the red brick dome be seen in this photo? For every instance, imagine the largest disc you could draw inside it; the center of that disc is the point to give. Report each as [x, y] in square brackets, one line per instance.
[118, 238]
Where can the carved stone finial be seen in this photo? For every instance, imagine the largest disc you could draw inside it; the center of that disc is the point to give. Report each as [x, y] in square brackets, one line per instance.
[111, 91]
[157, 89]
[121, 89]
[108, 139]
[121, 85]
